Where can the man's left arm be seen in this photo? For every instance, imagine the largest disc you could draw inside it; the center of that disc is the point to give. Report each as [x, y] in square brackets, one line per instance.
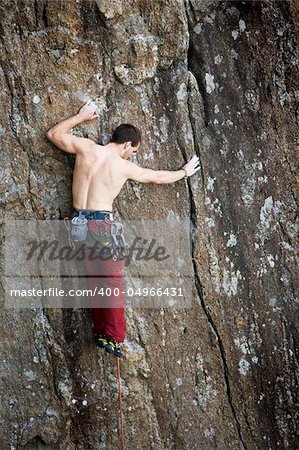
[59, 134]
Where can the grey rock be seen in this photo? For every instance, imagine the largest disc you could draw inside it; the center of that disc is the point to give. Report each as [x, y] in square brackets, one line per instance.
[219, 78]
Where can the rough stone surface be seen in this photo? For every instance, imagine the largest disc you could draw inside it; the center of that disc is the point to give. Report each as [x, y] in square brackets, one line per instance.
[219, 78]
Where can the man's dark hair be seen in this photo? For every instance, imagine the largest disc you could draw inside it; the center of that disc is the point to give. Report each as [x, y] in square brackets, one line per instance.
[125, 133]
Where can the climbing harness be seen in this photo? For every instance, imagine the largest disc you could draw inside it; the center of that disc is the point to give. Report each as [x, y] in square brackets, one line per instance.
[102, 228]
[122, 434]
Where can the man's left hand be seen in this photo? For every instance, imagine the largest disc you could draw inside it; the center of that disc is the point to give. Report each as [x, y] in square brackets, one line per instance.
[88, 111]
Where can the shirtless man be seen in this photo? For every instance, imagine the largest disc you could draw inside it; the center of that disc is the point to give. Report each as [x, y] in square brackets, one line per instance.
[100, 173]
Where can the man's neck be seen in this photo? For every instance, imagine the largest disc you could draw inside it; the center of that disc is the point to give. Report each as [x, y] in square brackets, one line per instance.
[116, 148]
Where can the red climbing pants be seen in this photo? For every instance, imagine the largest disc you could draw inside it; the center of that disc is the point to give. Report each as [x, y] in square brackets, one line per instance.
[108, 306]
[105, 277]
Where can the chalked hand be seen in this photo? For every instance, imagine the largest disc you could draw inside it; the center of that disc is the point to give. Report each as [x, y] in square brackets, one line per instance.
[192, 166]
[88, 111]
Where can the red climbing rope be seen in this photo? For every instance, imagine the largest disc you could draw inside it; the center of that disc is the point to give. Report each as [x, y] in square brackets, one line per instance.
[120, 406]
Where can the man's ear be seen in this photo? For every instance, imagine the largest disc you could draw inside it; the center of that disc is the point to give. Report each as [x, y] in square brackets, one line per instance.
[128, 144]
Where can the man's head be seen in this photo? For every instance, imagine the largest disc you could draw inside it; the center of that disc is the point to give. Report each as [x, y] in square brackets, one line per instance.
[129, 137]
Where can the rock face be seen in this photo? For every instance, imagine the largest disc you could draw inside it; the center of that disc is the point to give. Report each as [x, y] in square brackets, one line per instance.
[219, 78]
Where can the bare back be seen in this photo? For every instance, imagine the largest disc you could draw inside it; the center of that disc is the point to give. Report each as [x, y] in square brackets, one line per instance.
[98, 178]
[101, 171]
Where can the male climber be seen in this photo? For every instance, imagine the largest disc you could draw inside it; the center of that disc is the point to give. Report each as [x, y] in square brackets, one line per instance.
[99, 174]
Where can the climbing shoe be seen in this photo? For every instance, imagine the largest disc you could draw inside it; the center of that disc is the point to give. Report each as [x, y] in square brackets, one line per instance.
[102, 341]
[114, 348]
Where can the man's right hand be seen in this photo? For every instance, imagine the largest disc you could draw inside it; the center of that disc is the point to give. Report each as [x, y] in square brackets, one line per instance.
[88, 111]
[192, 166]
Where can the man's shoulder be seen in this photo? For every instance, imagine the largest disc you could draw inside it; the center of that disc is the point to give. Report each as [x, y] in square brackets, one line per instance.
[88, 146]
[101, 147]
[128, 165]
[95, 146]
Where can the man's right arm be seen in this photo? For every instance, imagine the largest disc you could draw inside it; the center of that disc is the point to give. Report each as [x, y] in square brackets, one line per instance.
[142, 175]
